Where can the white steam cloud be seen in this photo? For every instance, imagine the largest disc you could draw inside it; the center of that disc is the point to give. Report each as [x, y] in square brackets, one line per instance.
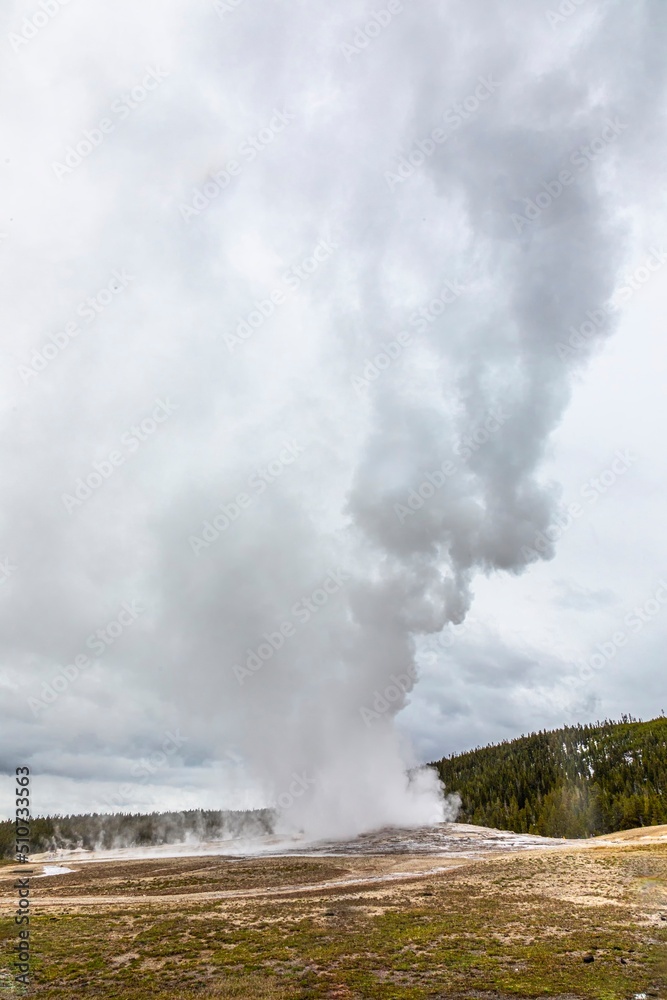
[334, 269]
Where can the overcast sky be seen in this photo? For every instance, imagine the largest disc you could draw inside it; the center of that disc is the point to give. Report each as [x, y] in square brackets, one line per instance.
[332, 358]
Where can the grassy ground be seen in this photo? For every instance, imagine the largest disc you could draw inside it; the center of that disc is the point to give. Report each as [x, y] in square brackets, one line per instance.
[572, 923]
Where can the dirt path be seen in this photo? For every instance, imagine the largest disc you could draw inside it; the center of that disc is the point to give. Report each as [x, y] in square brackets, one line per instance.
[416, 872]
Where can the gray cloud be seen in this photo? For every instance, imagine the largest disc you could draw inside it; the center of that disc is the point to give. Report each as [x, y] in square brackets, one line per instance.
[69, 404]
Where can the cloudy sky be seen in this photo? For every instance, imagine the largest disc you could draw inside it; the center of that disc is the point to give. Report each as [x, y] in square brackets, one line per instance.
[332, 393]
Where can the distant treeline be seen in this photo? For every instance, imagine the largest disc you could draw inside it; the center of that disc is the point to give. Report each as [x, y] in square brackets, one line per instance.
[103, 832]
[579, 781]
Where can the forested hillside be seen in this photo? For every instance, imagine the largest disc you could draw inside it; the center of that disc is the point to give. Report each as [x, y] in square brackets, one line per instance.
[102, 832]
[579, 781]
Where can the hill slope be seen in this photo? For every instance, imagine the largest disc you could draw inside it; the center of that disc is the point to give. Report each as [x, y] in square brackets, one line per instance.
[578, 781]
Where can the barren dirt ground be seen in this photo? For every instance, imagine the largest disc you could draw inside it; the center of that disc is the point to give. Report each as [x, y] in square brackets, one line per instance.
[579, 919]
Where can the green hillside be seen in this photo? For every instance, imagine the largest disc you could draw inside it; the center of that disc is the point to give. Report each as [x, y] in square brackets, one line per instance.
[579, 781]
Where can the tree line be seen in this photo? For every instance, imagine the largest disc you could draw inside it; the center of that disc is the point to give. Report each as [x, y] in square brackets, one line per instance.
[579, 781]
[115, 830]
